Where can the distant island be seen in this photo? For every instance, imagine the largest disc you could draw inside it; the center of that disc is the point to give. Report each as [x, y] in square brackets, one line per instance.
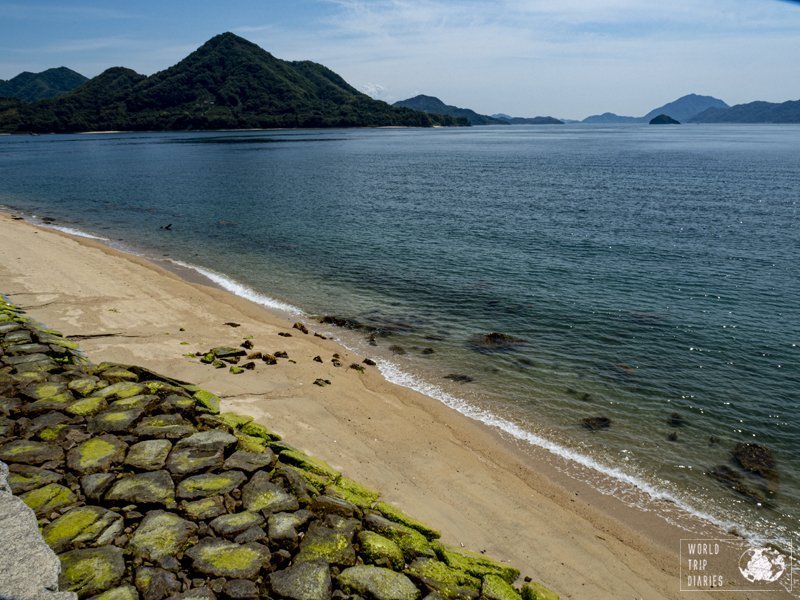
[227, 83]
[752, 112]
[663, 120]
[433, 106]
[682, 109]
[528, 120]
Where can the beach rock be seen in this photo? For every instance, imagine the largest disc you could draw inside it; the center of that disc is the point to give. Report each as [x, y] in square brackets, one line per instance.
[87, 406]
[240, 589]
[332, 546]
[398, 516]
[378, 583]
[156, 584]
[233, 524]
[170, 426]
[308, 463]
[114, 421]
[249, 461]
[206, 401]
[123, 592]
[221, 558]
[23, 478]
[395, 349]
[300, 327]
[122, 389]
[283, 527]
[369, 362]
[48, 499]
[260, 494]
[437, 577]
[210, 484]
[253, 534]
[474, 564]
[736, 482]
[149, 455]
[596, 423]
[495, 342]
[379, 550]
[96, 484]
[755, 458]
[303, 581]
[536, 591]
[161, 534]
[200, 451]
[205, 508]
[91, 570]
[411, 542]
[85, 525]
[95, 455]
[30, 452]
[459, 378]
[153, 487]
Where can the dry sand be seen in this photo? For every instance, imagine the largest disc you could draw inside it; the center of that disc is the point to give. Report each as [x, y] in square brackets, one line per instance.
[477, 486]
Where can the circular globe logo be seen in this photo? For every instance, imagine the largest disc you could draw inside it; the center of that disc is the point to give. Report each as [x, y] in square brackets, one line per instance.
[762, 564]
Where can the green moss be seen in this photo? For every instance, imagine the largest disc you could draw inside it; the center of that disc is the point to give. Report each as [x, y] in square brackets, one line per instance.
[119, 374]
[236, 370]
[207, 358]
[56, 402]
[95, 450]
[380, 550]
[49, 434]
[206, 402]
[87, 406]
[475, 564]
[124, 592]
[162, 386]
[234, 420]
[209, 483]
[123, 389]
[83, 386]
[44, 390]
[309, 463]
[134, 402]
[21, 448]
[398, 516]
[88, 572]
[536, 591]
[258, 430]
[318, 482]
[497, 588]
[49, 498]
[68, 526]
[248, 443]
[446, 581]
[232, 558]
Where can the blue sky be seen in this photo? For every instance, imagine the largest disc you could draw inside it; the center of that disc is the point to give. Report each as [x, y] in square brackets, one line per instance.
[566, 58]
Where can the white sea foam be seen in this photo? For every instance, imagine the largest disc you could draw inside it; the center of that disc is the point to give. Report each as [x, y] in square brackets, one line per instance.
[75, 232]
[391, 372]
[239, 289]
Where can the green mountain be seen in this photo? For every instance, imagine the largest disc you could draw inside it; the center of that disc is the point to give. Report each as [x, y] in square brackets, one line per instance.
[434, 106]
[31, 87]
[527, 120]
[227, 83]
[753, 112]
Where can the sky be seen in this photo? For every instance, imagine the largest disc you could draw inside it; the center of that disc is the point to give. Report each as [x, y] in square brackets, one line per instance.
[564, 58]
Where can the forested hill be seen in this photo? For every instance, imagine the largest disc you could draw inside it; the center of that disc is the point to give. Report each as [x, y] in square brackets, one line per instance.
[31, 87]
[227, 83]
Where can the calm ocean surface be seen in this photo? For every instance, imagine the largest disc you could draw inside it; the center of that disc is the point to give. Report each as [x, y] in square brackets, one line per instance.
[650, 270]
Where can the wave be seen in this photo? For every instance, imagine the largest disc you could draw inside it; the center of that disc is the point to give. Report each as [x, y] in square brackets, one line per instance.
[73, 231]
[239, 289]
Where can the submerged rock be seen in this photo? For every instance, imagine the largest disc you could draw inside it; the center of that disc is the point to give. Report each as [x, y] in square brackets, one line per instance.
[757, 459]
[596, 423]
[495, 342]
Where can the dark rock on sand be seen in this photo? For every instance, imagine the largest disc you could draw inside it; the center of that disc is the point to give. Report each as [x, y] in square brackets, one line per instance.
[595, 423]
[757, 459]
[459, 378]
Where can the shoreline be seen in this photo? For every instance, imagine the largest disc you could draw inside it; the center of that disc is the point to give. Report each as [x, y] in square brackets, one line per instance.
[426, 456]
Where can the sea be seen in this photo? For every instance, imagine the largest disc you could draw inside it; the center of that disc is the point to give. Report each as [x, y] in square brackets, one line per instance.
[646, 275]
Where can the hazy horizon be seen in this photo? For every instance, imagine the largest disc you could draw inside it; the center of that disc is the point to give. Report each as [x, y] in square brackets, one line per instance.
[567, 59]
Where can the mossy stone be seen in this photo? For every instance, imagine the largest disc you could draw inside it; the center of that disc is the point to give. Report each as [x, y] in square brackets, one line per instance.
[206, 402]
[308, 463]
[50, 434]
[97, 454]
[49, 498]
[377, 583]
[354, 492]
[536, 591]
[91, 570]
[199, 452]
[171, 426]
[233, 524]
[258, 430]
[123, 592]
[23, 478]
[283, 527]
[496, 588]
[30, 452]
[139, 401]
[154, 583]
[117, 374]
[122, 389]
[210, 484]
[475, 564]
[114, 421]
[410, 541]
[309, 580]
[148, 455]
[88, 525]
[236, 370]
[249, 461]
[96, 484]
[87, 406]
[161, 534]
[398, 516]
[260, 494]
[234, 420]
[333, 546]
[47, 389]
[221, 558]
[154, 487]
[448, 582]
[249, 443]
[380, 551]
[83, 386]
[57, 402]
[204, 509]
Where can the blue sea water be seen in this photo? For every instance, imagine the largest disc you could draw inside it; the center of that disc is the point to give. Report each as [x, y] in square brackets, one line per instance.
[649, 270]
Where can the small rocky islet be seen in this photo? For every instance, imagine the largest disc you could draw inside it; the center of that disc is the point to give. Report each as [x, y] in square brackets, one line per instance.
[145, 490]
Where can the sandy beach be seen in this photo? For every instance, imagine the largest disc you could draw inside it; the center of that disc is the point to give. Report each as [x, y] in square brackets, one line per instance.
[480, 488]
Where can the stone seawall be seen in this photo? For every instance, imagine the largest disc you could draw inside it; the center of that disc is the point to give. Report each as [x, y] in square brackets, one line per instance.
[145, 490]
